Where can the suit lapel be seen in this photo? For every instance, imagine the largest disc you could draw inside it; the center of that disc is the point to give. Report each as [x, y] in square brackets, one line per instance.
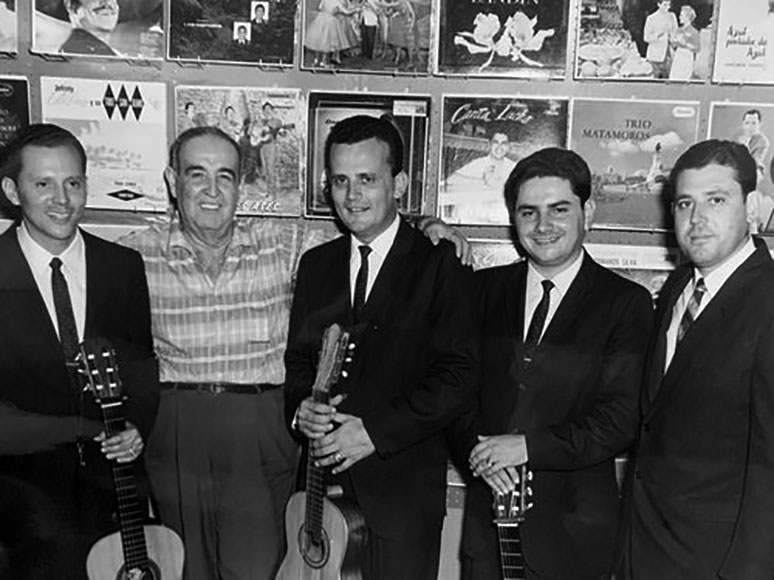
[714, 316]
[18, 279]
[655, 371]
[572, 303]
[393, 268]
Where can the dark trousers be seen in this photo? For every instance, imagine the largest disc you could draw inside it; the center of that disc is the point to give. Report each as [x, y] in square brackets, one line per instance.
[411, 558]
[367, 39]
[222, 468]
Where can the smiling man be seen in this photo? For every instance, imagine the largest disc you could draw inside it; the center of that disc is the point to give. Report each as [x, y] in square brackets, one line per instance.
[92, 21]
[221, 463]
[562, 349]
[58, 286]
[700, 502]
[411, 311]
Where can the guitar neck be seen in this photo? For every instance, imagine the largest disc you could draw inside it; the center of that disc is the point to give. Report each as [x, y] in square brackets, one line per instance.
[129, 512]
[511, 559]
[315, 484]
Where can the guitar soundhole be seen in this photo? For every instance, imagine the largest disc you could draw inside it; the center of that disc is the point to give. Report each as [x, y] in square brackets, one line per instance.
[315, 550]
[148, 572]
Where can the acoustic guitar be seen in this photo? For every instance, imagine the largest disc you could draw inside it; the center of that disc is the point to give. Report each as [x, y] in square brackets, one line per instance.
[325, 535]
[509, 509]
[137, 551]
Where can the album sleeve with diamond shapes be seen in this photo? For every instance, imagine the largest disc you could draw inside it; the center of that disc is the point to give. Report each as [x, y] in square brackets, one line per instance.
[122, 125]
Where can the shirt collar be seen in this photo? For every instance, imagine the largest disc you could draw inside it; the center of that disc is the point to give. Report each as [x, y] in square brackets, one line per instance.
[382, 243]
[715, 279]
[562, 281]
[39, 258]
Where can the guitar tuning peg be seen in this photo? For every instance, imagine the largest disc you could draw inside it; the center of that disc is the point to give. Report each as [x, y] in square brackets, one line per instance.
[348, 359]
[530, 505]
[529, 491]
[344, 374]
[529, 476]
[351, 346]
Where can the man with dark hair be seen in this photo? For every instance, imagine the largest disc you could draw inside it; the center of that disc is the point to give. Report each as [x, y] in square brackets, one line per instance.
[561, 359]
[220, 460]
[700, 502]
[411, 312]
[59, 285]
[92, 21]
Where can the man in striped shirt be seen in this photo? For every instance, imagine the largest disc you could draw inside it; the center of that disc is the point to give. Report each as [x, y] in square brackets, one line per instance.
[221, 462]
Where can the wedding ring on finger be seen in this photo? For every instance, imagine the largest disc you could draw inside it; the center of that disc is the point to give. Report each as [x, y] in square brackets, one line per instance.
[338, 457]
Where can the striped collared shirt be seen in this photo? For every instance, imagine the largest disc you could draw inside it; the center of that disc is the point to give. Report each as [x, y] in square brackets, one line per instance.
[232, 329]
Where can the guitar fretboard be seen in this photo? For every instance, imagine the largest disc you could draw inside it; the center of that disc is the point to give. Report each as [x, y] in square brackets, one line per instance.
[511, 559]
[315, 487]
[129, 511]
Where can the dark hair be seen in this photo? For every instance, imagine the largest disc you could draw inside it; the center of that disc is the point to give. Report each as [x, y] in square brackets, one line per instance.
[360, 128]
[193, 133]
[549, 162]
[753, 112]
[37, 135]
[717, 152]
[241, 28]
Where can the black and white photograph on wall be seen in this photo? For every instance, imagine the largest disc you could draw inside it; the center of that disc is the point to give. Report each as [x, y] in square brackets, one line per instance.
[752, 125]
[631, 146]
[122, 29]
[14, 107]
[269, 125]
[523, 39]
[744, 51]
[666, 40]
[123, 127]
[9, 27]
[258, 33]
[483, 139]
[379, 36]
[409, 113]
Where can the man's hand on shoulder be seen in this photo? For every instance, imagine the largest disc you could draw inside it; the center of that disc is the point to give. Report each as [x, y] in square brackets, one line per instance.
[437, 230]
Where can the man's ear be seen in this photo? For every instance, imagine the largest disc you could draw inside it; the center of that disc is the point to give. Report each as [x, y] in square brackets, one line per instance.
[170, 178]
[401, 185]
[589, 207]
[10, 191]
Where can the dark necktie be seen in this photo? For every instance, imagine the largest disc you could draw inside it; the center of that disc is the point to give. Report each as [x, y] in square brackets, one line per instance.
[361, 283]
[68, 331]
[692, 310]
[538, 321]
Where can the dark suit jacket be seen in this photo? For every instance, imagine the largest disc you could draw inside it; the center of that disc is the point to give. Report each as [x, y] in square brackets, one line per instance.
[413, 369]
[702, 492]
[40, 407]
[577, 405]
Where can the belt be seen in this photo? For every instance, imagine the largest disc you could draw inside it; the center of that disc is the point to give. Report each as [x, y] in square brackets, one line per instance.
[219, 388]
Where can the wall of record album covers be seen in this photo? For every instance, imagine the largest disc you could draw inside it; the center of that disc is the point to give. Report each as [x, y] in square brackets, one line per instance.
[474, 85]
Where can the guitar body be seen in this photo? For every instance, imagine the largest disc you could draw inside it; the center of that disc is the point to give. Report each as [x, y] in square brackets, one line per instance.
[165, 555]
[337, 557]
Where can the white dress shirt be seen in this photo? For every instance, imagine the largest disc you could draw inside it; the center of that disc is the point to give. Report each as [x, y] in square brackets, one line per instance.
[562, 282]
[714, 282]
[379, 249]
[73, 269]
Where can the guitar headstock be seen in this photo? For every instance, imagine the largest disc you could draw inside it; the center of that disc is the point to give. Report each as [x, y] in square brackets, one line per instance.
[334, 349]
[97, 363]
[509, 508]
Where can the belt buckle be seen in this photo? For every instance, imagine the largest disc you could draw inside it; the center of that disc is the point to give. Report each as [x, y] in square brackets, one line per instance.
[215, 388]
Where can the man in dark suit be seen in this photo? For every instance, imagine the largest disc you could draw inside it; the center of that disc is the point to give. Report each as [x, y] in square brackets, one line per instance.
[701, 503]
[562, 349]
[57, 286]
[414, 359]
